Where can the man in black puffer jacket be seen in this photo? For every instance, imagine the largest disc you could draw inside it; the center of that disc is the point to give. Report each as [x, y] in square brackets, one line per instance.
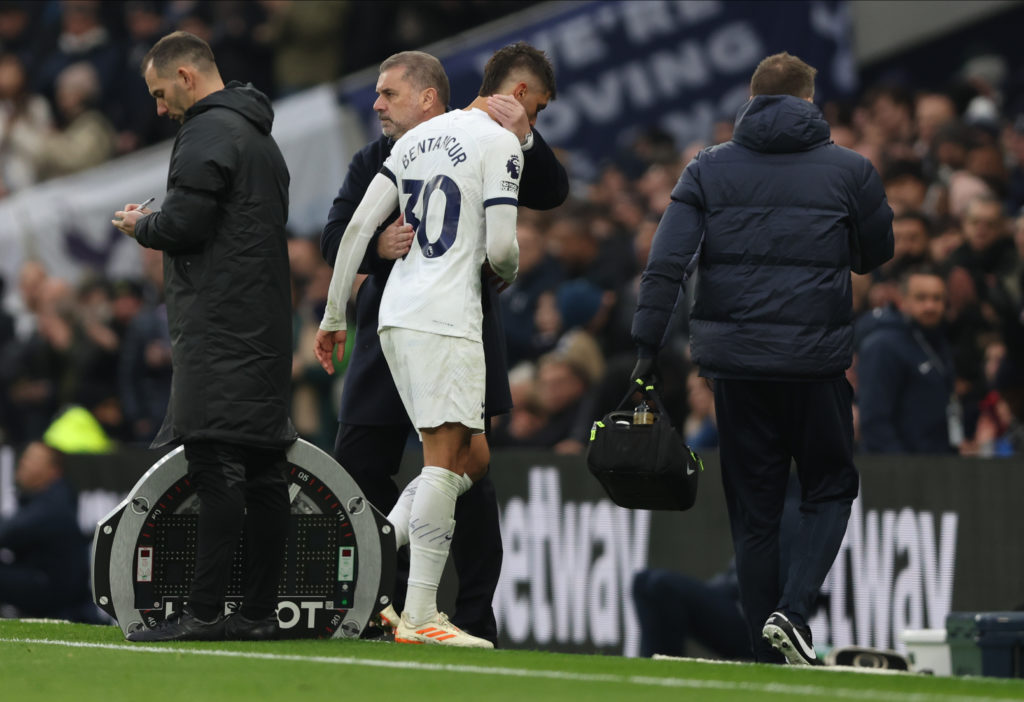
[222, 231]
[774, 221]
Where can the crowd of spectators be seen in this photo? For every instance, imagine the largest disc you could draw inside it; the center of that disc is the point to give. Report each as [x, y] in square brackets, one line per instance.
[951, 159]
[103, 346]
[70, 92]
[949, 379]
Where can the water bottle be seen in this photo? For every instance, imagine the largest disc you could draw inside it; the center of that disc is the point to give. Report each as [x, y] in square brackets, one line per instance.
[642, 414]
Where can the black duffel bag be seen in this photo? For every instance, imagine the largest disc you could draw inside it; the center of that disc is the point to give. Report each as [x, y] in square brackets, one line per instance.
[643, 466]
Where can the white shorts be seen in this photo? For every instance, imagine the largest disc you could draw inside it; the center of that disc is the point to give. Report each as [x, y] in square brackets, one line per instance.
[439, 378]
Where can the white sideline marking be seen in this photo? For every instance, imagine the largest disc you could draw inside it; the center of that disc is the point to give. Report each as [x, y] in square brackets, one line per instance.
[826, 667]
[772, 688]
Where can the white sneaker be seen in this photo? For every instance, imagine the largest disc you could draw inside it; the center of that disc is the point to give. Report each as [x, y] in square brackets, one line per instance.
[440, 631]
[388, 618]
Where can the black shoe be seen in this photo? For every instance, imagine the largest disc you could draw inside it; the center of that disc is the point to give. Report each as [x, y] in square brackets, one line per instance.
[791, 640]
[239, 627]
[183, 627]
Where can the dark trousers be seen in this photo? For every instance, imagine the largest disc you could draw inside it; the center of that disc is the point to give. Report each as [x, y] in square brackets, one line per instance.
[673, 608]
[238, 486]
[372, 455]
[763, 427]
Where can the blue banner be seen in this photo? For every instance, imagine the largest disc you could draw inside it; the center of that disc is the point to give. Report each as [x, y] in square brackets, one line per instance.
[625, 66]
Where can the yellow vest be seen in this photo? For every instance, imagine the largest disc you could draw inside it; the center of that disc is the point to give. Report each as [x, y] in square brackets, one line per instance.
[76, 431]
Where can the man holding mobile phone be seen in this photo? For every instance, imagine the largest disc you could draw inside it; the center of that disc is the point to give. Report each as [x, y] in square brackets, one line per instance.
[222, 233]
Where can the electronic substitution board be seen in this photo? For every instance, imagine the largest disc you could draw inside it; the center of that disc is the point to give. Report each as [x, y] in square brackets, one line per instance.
[339, 559]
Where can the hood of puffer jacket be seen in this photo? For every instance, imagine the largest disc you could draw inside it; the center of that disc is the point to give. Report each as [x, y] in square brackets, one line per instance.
[243, 99]
[779, 124]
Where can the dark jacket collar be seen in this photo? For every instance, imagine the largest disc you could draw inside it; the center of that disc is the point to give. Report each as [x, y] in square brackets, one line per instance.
[780, 124]
[243, 99]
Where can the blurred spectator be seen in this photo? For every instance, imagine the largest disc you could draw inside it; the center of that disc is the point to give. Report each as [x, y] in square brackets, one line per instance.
[932, 112]
[25, 123]
[137, 122]
[16, 30]
[912, 234]
[304, 36]
[33, 372]
[83, 38]
[235, 26]
[31, 282]
[86, 138]
[964, 187]
[987, 252]
[967, 327]
[947, 239]
[905, 372]
[313, 407]
[143, 22]
[558, 412]
[656, 185]
[127, 302]
[191, 16]
[538, 273]
[526, 416]
[649, 145]
[949, 151]
[49, 575]
[144, 361]
[575, 304]
[144, 372]
[583, 305]
[889, 118]
[986, 161]
[992, 436]
[905, 186]
[911, 249]
[92, 368]
[572, 243]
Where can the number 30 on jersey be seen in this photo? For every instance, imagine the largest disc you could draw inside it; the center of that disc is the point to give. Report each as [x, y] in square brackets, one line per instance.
[433, 243]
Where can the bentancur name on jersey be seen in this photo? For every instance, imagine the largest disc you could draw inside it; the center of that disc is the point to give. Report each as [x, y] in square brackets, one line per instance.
[439, 143]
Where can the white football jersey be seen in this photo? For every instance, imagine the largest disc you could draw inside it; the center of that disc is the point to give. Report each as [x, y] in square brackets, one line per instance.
[448, 170]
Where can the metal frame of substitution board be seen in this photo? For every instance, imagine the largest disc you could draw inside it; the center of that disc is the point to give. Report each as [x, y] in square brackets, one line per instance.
[339, 562]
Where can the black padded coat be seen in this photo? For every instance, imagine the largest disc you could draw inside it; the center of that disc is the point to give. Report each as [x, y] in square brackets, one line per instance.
[773, 221]
[226, 277]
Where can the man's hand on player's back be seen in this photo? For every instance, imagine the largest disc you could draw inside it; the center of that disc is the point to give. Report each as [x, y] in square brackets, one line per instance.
[396, 240]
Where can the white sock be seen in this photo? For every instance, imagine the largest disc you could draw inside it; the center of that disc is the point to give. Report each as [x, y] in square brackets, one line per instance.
[399, 514]
[430, 533]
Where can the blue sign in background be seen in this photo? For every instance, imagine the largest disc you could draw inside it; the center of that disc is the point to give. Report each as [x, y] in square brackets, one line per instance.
[624, 66]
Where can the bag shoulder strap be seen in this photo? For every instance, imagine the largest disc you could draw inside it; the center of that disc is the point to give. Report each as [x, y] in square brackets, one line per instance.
[648, 392]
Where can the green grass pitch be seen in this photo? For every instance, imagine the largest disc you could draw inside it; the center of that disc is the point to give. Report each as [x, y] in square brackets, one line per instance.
[56, 661]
